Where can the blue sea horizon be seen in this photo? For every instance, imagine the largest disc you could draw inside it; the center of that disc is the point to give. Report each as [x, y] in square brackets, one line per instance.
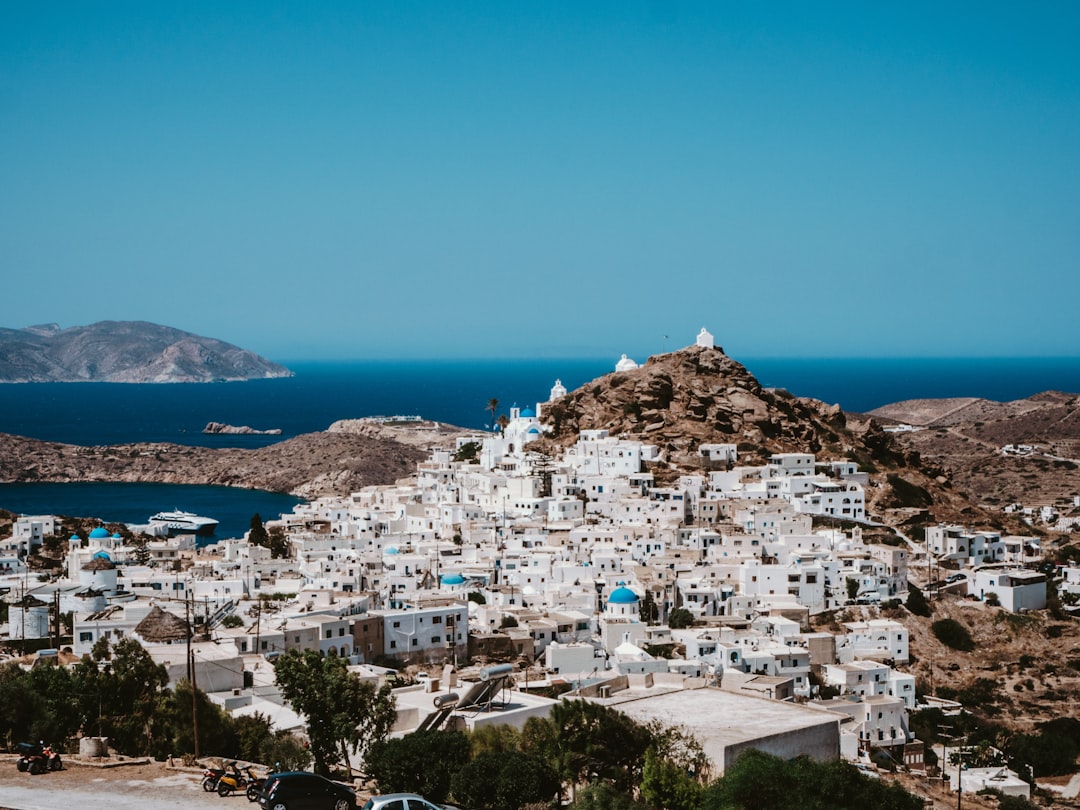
[455, 392]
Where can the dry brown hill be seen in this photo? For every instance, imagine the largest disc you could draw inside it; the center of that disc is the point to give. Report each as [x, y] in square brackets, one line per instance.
[683, 399]
[696, 396]
[309, 465]
[967, 441]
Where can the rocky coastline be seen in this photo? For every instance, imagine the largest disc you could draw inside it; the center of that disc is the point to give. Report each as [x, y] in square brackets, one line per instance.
[308, 466]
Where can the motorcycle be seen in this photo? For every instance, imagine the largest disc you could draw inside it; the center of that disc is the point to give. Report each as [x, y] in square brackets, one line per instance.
[210, 778]
[236, 779]
[37, 758]
[255, 787]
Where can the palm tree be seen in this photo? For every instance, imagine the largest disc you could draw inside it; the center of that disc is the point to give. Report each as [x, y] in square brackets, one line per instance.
[492, 406]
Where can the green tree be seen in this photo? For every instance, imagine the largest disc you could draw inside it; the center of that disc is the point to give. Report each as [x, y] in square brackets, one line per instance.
[467, 452]
[174, 730]
[257, 535]
[497, 738]
[602, 796]
[585, 741]
[36, 705]
[279, 543]
[665, 784]
[141, 549]
[118, 689]
[852, 587]
[343, 712]
[231, 621]
[505, 780]
[916, 601]
[953, 634]
[680, 618]
[760, 781]
[422, 762]
[648, 611]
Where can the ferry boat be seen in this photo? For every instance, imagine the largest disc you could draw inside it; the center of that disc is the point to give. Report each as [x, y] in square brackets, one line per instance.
[178, 522]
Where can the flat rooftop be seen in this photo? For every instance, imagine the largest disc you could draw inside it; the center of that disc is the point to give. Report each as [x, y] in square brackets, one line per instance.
[721, 720]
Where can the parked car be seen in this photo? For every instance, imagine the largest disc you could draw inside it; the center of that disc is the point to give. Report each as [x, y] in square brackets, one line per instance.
[404, 801]
[298, 790]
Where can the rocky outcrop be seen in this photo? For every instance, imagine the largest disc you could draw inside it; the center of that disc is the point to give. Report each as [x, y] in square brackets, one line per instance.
[125, 351]
[241, 430]
[696, 396]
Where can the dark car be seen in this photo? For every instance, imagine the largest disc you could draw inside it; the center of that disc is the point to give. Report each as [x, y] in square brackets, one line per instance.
[297, 790]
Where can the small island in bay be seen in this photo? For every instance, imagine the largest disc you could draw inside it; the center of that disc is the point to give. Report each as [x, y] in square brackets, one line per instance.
[125, 351]
[238, 430]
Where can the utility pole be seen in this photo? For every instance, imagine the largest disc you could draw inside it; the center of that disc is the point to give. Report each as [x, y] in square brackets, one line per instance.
[187, 621]
[258, 621]
[56, 613]
[194, 698]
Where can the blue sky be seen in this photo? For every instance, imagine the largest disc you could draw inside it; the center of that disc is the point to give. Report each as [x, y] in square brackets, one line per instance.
[381, 180]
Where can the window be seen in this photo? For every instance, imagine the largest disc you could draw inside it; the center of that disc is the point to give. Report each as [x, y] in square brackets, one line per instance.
[86, 636]
[436, 619]
[414, 642]
[393, 645]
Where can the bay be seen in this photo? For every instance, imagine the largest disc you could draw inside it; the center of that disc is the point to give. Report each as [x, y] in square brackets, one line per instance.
[135, 503]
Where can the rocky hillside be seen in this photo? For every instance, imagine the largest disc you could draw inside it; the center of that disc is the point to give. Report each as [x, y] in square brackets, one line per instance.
[966, 439]
[681, 400]
[125, 351]
[308, 466]
[696, 396]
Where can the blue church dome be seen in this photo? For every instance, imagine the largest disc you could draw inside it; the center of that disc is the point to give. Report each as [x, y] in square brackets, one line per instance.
[452, 579]
[99, 533]
[622, 596]
[116, 536]
[392, 550]
[528, 414]
[75, 538]
[532, 431]
[102, 555]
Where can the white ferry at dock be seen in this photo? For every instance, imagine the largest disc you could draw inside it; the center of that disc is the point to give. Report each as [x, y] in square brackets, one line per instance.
[178, 522]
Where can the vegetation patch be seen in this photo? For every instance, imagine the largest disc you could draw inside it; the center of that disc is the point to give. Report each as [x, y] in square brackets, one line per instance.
[953, 635]
[907, 494]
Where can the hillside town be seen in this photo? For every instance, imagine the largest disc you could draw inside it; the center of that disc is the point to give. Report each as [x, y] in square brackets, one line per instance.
[499, 577]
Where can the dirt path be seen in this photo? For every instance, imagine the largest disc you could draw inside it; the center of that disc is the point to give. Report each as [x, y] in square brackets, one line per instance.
[86, 787]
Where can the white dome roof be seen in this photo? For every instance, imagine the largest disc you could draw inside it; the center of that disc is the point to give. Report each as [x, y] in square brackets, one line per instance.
[625, 364]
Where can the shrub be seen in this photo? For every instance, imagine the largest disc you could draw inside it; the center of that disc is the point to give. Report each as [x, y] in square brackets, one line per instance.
[953, 635]
[916, 601]
[680, 618]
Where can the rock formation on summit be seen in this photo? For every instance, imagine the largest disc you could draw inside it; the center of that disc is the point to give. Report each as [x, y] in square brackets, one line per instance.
[694, 396]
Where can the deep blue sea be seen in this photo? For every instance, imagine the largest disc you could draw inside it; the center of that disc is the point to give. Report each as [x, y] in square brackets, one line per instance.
[456, 392]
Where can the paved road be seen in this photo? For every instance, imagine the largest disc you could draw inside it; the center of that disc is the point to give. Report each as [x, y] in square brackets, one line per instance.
[126, 788]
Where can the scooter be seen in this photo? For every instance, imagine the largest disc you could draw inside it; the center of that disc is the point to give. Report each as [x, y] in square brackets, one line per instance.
[236, 779]
[210, 778]
[256, 785]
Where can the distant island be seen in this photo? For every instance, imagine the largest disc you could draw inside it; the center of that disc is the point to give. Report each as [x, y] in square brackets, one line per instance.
[239, 430]
[125, 351]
